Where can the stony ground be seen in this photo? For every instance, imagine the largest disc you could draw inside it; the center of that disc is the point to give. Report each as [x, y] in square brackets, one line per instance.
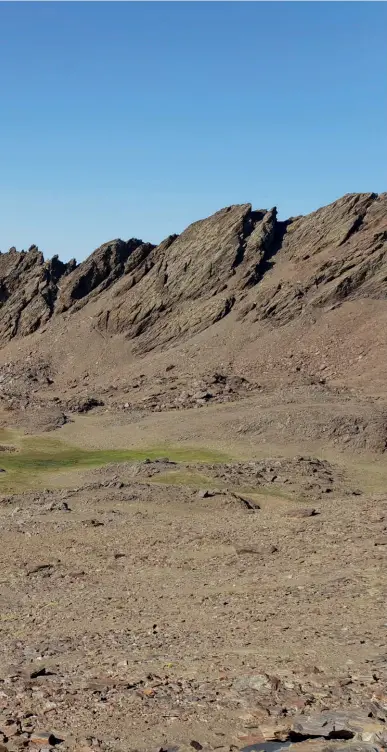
[138, 614]
[154, 606]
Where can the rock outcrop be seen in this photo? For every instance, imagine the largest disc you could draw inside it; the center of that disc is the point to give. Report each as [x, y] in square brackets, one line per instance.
[334, 254]
[239, 259]
[99, 272]
[28, 290]
[192, 281]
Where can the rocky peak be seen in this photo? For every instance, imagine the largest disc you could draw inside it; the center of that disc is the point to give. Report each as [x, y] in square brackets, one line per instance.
[28, 289]
[191, 281]
[335, 254]
[96, 273]
[239, 259]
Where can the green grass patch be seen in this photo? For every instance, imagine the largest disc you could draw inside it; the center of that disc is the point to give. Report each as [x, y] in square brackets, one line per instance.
[36, 456]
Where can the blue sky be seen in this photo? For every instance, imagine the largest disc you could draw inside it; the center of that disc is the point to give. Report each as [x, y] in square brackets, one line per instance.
[135, 119]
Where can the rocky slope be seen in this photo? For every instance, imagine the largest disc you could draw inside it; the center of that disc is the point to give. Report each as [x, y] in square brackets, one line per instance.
[240, 304]
[238, 258]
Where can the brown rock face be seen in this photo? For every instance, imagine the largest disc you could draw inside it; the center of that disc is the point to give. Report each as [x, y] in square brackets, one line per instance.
[98, 272]
[249, 261]
[189, 282]
[334, 254]
[238, 259]
[28, 290]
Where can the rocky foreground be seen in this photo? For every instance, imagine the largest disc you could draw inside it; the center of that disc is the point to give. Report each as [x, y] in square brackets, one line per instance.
[140, 614]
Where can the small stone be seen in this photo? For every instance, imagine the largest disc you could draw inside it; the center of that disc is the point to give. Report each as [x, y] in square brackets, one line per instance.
[205, 494]
[275, 732]
[43, 738]
[75, 575]
[202, 396]
[148, 692]
[302, 512]
[92, 523]
[39, 568]
[379, 706]
[122, 664]
[196, 745]
[12, 729]
[248, 504]
[258, 682]
[38, 671]
[258, 550]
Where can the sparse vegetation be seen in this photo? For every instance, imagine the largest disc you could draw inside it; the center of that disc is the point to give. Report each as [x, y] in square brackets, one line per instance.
[36, 456]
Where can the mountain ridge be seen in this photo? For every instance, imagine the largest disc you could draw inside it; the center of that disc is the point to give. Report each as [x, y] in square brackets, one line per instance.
[240, 307]
[219, 260]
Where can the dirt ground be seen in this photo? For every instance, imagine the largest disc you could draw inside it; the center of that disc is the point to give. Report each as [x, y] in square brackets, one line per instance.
[150, 605]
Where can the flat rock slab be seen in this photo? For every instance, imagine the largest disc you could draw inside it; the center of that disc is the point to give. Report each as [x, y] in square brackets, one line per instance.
[378, 706]
[258, 682]
[312, 745]
[353, 724]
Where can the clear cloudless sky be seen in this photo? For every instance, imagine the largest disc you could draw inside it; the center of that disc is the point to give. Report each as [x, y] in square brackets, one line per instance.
[134, 119]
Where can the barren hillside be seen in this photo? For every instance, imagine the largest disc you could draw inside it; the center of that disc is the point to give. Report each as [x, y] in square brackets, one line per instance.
[239, 304]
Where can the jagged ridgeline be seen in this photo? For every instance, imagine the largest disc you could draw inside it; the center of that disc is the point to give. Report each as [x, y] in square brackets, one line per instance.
[239, 259]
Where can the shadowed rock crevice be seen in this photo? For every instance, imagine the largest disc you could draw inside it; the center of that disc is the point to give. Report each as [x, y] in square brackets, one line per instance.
[249, 225]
